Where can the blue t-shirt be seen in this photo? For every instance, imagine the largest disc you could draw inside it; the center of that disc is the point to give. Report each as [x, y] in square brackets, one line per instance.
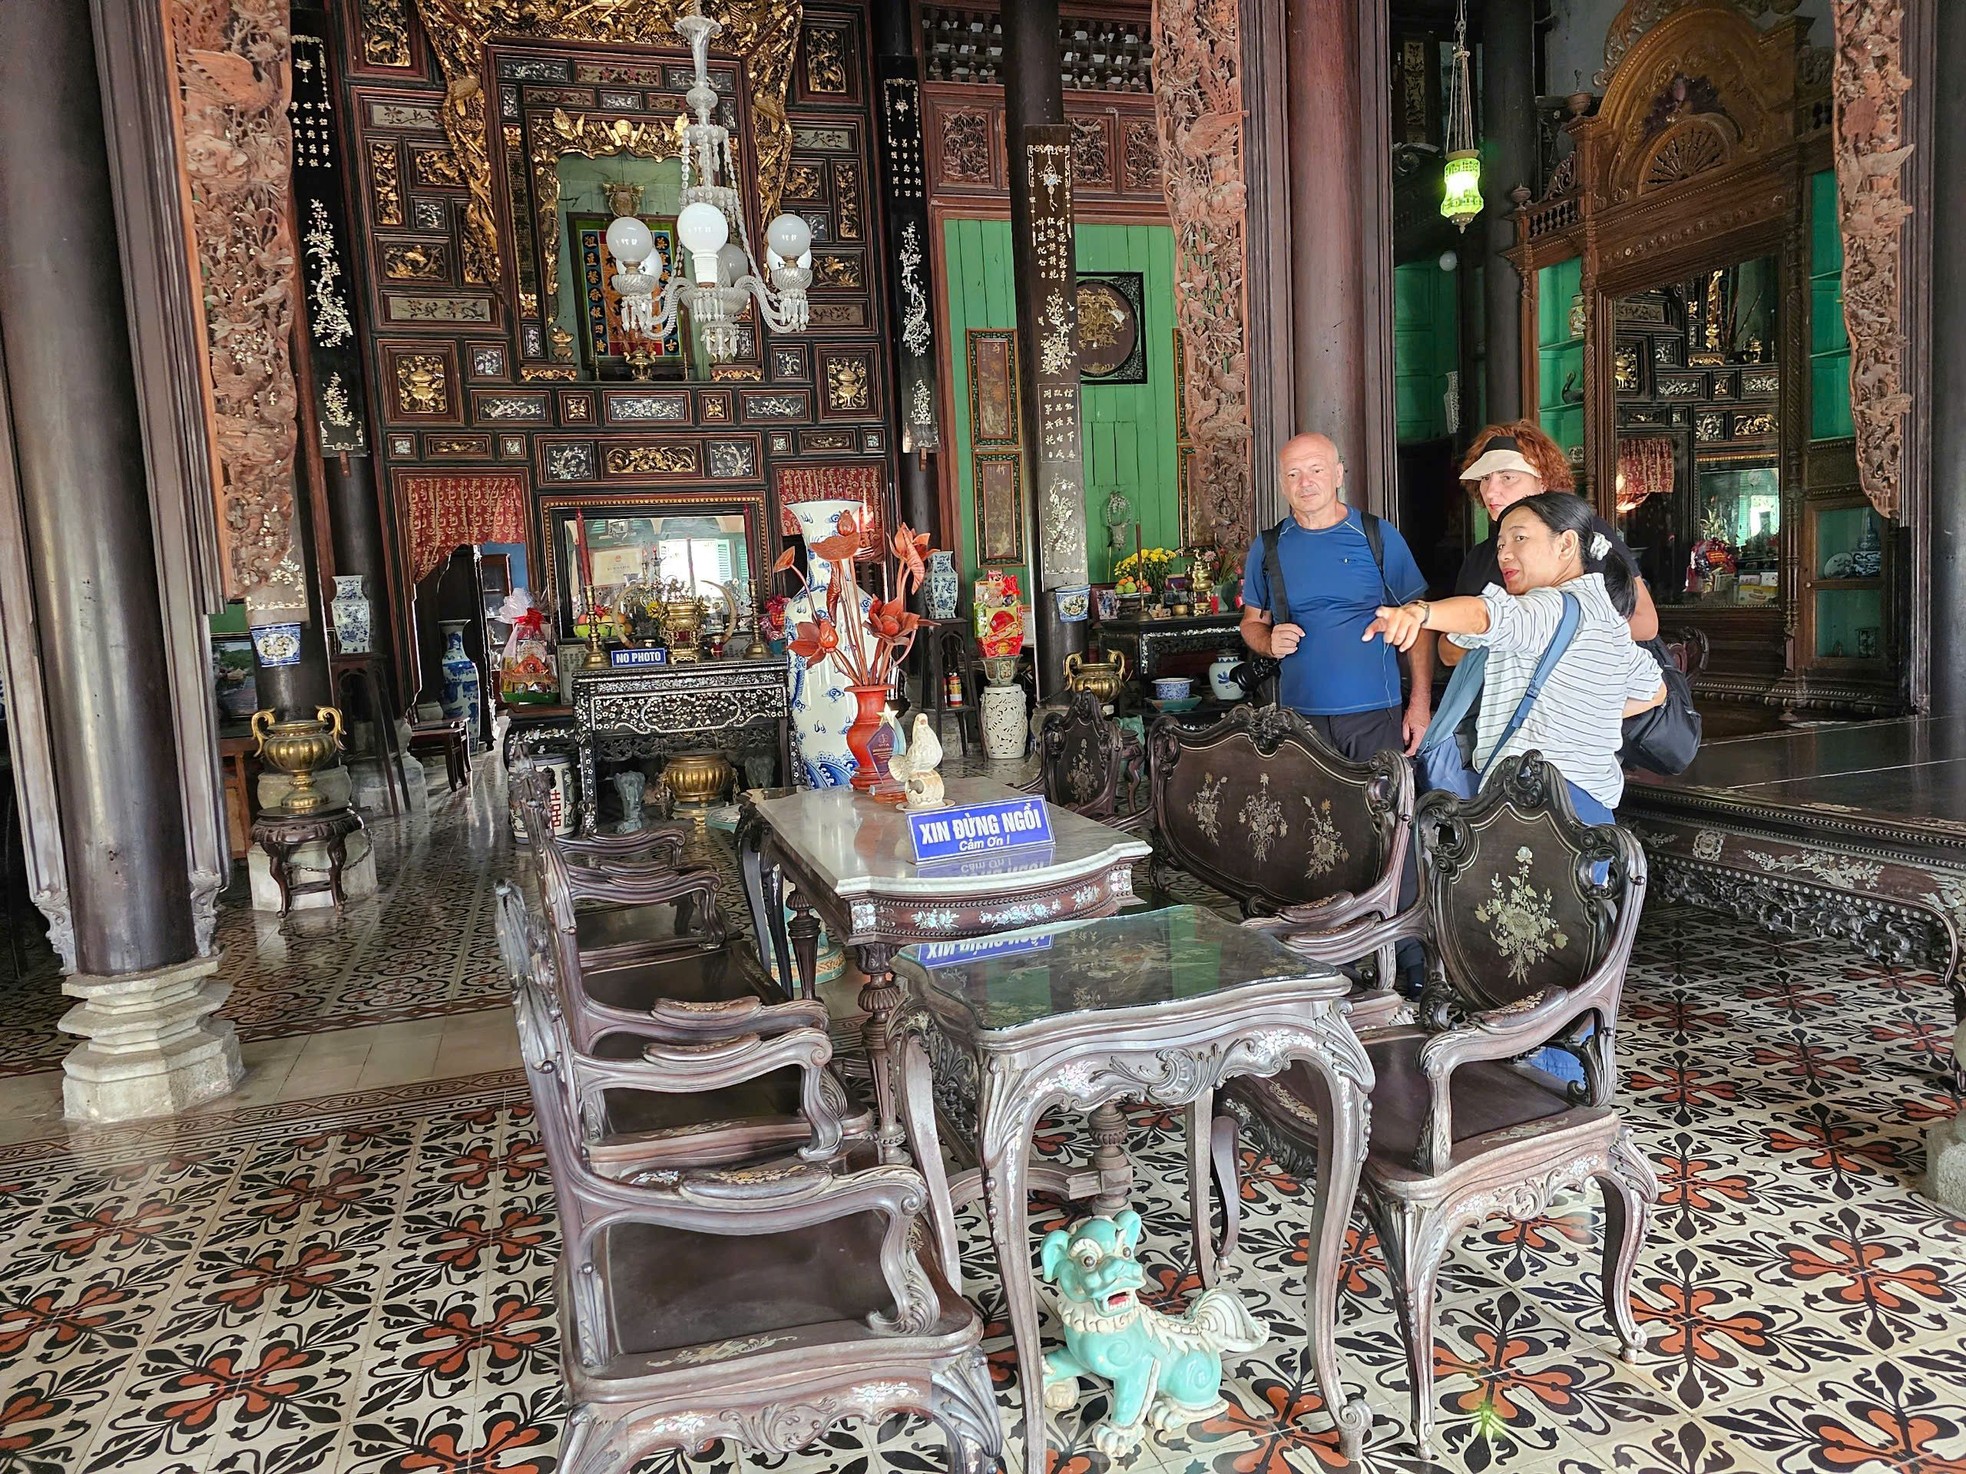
[1334, 587]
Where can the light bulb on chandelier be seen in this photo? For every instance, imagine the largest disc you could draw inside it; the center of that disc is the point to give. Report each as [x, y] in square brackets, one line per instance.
[723, 277]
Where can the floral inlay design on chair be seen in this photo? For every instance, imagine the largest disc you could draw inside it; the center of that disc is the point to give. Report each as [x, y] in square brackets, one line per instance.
[1519, 919]
[1080, 778]
[1324, 847]
[1263, 817]
[1206, 806]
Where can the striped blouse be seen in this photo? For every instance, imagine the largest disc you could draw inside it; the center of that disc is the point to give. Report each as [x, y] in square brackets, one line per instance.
[1577, 721]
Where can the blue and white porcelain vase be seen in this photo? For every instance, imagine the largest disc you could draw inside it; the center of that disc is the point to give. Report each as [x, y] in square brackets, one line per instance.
[349, 609]
[941, 589]
[463, 689]
[822, 707]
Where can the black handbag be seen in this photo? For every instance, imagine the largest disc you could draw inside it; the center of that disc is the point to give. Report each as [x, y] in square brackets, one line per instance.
[1665, 739]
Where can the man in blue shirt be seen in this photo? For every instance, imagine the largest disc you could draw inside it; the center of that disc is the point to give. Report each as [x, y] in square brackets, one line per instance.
[1346, 686]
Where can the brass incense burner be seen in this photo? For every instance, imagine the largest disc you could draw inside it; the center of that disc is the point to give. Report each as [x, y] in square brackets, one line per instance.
[297, 748]
[682, 628]
[697, 779]
[1103, 678]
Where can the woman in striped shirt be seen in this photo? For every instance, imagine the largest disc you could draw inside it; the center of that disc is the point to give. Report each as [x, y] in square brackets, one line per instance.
[1548, 546]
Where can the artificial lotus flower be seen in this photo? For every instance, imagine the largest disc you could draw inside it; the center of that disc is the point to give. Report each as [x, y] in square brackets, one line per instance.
[843, 546]
[814, 641]
[910, 548]
[891, 619]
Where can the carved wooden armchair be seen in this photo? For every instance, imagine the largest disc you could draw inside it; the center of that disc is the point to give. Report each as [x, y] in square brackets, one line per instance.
[715, 988]
[1259, 807]
[757, 1304]
[1088, 763]
[687, 1086]
[1527, 920]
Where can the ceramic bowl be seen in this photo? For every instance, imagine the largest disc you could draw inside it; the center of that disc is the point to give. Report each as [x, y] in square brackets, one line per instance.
[1171, 708]
[1172, 688]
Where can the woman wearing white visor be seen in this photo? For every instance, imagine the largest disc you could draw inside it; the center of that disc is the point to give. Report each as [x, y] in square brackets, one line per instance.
[1505, 464]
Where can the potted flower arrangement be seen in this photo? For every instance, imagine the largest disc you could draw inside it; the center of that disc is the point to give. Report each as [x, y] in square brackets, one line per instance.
[1144, 574]
[771, 620]
[866, 657]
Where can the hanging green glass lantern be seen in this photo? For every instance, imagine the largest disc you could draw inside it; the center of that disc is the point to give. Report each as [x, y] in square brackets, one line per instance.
[1462, 200]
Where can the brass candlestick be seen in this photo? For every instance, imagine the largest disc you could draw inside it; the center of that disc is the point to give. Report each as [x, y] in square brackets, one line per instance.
[596, 657]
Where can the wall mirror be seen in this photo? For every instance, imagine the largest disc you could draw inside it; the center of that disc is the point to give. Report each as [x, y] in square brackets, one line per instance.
[639, 546]
[584, 137]
[1697, 388]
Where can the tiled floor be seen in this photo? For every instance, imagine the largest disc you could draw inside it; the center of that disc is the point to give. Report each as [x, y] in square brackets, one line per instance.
[345, 1266]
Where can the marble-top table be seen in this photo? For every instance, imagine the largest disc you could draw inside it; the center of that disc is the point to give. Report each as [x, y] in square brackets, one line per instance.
[1162, 1006]
[847, 861]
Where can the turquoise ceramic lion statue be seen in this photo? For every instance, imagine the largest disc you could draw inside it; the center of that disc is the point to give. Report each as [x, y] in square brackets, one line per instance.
[1165, 1371]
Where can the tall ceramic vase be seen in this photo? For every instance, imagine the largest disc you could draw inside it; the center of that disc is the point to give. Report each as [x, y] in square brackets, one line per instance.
[822, 706]
[941, 588]
[463, 689]
[349, 609]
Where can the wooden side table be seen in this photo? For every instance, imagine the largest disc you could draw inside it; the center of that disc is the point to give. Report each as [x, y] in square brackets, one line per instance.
[241, 793]
[282, 835]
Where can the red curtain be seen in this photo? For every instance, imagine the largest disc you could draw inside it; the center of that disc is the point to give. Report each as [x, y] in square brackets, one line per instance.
[446, 511]
[846, 483]
[1645, 468]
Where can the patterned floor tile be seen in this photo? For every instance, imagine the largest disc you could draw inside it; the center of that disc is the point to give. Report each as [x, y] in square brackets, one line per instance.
[362, 1285]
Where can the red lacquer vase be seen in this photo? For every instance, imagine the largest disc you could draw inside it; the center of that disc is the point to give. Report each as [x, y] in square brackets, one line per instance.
[867, 720]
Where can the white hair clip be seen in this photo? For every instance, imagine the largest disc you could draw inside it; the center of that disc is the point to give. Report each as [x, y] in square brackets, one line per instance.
[1600, 545]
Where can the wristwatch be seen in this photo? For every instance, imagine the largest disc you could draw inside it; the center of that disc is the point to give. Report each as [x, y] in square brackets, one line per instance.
[1426, 611]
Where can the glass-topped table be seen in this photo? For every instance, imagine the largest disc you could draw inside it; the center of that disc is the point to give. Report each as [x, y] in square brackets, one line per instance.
[1162, 1006]
[847, 860]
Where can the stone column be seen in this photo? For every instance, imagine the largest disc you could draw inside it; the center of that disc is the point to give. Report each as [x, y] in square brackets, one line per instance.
[146, 997]
[1508, 160]
[1039, 143]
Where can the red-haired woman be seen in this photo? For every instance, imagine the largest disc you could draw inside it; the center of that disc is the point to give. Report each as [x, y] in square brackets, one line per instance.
[1505, 464]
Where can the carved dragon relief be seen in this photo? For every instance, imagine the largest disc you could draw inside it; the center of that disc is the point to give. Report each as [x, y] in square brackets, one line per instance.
[1198, 104]
[234, 83]
[764, 33]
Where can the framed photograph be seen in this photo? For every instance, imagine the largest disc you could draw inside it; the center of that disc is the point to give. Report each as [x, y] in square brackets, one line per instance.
[1112, 317]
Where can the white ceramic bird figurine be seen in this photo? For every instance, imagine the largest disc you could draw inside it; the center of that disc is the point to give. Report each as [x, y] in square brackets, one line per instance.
[916, 768]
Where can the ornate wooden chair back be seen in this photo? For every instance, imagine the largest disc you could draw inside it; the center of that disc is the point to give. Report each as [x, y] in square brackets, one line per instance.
[1262, 809]
[1088, 763]
[1526, 903]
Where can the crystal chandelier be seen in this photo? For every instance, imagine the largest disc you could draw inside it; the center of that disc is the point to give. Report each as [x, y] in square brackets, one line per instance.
[724, 275]
[1462, 201]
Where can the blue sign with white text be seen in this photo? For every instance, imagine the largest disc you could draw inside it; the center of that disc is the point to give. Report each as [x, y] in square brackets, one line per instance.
[628, 657]
[976, 949]
[975, 829]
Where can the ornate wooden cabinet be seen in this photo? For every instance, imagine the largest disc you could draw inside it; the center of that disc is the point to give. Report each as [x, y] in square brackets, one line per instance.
[1681, 327]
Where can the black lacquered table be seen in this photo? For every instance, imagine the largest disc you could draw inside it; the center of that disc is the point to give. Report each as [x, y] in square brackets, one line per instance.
[1161, 1006]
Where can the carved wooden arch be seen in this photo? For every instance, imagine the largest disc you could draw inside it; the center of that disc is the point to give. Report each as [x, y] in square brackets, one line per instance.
[1639, 16]
[764, 33]
[1703, 90]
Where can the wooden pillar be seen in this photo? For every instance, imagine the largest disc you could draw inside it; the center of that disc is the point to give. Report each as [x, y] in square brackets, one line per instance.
[1266, 154]
[84, 507]
[911, 287]
[1039, 143]
[1340, 235]
[1508, 153]
[1947, 517]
